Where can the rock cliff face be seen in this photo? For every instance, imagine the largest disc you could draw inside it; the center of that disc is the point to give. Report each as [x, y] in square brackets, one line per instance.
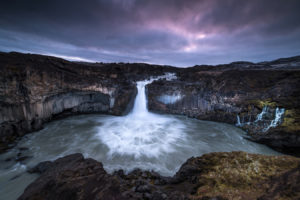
[35, 89]
[262, 98]
[235, 175]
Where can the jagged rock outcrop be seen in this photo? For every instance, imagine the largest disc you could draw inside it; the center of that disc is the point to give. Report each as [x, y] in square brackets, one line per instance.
[235, 175]
[237, 93]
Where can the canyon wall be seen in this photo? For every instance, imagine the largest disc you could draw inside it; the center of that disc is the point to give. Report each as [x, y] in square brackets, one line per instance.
[263, 99]
[35, 89]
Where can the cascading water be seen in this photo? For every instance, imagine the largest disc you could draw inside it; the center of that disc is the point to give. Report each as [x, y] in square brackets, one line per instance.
[277, 120]
[141, 133]
[267, 124]
[238, 121]
[141, 139]
[140, 105]
[262, 114]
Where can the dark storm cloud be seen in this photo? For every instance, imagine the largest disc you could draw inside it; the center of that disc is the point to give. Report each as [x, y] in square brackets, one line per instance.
[178, 32]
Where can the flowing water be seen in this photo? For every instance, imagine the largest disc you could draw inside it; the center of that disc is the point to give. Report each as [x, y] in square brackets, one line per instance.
[141, 139]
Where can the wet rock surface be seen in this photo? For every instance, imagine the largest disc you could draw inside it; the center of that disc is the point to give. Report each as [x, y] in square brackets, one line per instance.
[238, 92]
[235, 175]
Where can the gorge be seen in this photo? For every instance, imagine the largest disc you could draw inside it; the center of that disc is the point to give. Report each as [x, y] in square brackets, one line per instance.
[259, 98]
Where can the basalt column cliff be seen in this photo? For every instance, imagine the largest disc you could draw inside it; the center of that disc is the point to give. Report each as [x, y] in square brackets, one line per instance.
[261, 98]
[35, 89]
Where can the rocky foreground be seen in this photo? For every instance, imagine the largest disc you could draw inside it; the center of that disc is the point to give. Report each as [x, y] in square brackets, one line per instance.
[235, 175]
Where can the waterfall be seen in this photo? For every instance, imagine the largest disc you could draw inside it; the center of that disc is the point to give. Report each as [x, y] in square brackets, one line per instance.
[238, 123]
[277, 120]
[140, 103]
[278, 116]
[142, 134]
[279, 112]
[261, 115]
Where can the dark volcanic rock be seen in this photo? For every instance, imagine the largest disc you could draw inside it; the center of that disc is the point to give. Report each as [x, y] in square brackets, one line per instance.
[35, 89]
[74, 177]
[235, 175]
[224, 93]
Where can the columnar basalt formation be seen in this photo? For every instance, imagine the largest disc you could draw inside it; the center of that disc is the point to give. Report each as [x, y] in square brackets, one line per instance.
[237, 93]
[235, 175]
[35, 89]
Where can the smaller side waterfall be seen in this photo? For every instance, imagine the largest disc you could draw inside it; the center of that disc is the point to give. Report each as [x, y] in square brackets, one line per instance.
[263, 119]
[238, 121]
[261, 115]
[277, 120]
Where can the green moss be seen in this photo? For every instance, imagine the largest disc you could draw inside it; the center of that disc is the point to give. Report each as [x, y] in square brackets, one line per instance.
[262, 103]
[233, 175]
[291, 120]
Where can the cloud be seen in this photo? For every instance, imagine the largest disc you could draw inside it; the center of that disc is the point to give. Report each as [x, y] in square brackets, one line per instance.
[173, 32]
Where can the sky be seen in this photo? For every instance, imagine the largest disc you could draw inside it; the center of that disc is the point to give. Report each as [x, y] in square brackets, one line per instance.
[169, 32]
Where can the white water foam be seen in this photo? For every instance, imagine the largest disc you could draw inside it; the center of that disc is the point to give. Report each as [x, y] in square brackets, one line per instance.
[238, 121]
[142, 133]
[261, 115]
[279, 112]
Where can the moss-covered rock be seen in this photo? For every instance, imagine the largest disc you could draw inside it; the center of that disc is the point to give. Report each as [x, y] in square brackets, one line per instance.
[291, 121]
[239, 175]
[262, 103]
[235, 175]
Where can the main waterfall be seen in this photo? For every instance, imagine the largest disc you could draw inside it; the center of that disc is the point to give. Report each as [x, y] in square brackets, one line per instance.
[140, 104]
[142, 133]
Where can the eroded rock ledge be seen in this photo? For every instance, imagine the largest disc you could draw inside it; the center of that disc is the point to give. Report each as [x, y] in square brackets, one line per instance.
[235, 175]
